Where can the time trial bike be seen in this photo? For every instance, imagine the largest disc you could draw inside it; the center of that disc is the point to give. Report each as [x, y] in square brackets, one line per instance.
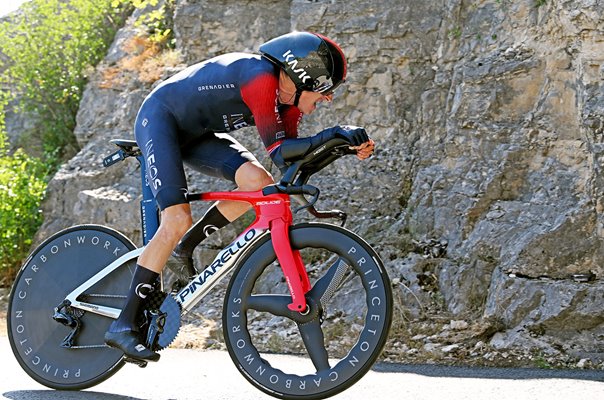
[314, 289]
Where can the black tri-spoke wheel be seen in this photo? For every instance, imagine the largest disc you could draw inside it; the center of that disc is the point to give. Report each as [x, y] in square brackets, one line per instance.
[335, 340]
[64, 349]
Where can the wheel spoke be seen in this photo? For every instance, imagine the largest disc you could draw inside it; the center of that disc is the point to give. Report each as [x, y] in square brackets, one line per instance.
[326, 286]
[275, 304]
[312, 335]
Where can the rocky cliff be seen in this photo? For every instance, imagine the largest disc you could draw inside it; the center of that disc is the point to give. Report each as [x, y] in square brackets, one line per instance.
[484, 197]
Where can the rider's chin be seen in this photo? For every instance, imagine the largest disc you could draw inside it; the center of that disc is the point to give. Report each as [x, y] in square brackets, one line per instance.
[310, 109]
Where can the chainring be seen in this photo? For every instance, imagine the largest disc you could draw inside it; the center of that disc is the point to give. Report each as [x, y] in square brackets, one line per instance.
[168, 305]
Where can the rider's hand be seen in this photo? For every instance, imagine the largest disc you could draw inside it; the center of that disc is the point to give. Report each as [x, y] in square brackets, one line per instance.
[365, 150]
[358, 138]
[355, 135]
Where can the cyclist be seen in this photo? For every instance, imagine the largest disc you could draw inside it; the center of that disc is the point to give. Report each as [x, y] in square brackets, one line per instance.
[187, 119]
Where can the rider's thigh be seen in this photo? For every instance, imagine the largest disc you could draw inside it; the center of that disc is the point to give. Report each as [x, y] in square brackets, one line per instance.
[156, 132]
[216, 154]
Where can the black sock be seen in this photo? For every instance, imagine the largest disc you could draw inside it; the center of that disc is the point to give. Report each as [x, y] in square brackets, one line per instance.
[140, 287]
[212, 221]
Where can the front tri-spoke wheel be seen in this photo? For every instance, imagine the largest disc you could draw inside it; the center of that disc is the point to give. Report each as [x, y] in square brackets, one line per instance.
[338, 337]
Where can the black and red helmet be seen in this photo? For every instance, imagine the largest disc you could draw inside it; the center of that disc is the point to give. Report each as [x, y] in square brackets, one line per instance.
[314, 62]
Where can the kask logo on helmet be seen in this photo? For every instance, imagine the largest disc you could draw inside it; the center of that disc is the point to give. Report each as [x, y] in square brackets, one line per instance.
[292, 62]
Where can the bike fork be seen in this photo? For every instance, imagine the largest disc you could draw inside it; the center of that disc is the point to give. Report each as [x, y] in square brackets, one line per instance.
[291, 264]
[273, 212]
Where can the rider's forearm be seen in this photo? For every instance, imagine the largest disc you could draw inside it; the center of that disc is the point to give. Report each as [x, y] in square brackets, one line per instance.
[299, 147]
[292, 148]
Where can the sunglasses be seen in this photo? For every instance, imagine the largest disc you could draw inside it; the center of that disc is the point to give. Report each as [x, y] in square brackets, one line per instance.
[325, 86]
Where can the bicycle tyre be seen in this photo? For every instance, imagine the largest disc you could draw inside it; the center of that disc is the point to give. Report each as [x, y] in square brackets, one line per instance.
[367, 275]
[56, 267]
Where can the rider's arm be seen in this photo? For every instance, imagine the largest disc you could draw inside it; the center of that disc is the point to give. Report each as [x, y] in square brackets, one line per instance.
[277, 126]
[274, 124]
[291, 149]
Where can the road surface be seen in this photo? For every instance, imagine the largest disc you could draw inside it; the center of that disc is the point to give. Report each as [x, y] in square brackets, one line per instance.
[205, 375]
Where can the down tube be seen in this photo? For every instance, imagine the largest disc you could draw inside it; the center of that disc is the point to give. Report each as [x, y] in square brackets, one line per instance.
[199, 286]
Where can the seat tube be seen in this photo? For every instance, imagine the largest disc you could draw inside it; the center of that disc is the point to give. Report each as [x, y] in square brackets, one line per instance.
[148, 206]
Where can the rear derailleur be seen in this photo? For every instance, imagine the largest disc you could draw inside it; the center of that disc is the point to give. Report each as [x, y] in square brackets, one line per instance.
[70, 317]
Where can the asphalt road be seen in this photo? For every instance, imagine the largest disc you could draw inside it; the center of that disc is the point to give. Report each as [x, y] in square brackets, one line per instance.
[205, 375]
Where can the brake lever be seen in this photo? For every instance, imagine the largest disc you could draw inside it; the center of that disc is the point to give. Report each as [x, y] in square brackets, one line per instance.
[337, 214]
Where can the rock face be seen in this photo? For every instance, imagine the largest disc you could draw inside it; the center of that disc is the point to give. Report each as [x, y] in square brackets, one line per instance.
[484, 197]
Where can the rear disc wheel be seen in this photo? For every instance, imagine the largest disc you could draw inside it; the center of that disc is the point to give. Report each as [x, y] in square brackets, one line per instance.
[53, 270]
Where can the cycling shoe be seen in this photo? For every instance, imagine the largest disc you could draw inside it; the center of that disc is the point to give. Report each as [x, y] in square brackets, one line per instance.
[130, 343]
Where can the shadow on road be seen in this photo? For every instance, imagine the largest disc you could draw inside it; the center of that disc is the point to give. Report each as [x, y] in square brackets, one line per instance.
[490, 373]
[63, 395]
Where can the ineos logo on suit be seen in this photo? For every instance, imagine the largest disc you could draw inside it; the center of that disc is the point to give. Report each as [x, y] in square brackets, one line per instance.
[152, 170]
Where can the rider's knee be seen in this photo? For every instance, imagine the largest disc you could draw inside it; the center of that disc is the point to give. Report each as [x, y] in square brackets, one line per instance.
[252, 176]
[175, 222]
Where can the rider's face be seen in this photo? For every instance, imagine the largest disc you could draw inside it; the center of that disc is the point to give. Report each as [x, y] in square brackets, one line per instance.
[309, 100]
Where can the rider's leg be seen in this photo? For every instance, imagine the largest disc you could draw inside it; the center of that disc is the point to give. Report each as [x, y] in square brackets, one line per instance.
[212, 221]
[175, 220]
[157, 133]
[249, 177]
[221, 156]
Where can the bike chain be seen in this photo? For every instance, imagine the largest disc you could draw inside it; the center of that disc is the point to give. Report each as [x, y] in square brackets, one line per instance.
[90, 346]
[110, 296]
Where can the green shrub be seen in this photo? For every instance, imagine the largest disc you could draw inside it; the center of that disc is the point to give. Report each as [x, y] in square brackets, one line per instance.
[157, 21]
[48, 50]
[22, 187]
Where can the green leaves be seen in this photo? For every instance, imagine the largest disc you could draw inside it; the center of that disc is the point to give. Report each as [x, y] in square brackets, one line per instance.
[49, 48]
[22, 187]
[46, 52]
[156, 22]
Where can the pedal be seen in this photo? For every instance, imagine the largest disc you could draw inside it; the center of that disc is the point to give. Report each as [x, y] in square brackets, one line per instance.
[156, 322]
[140, 363]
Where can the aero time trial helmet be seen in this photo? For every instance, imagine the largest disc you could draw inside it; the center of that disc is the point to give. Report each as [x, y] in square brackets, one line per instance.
[314, 62]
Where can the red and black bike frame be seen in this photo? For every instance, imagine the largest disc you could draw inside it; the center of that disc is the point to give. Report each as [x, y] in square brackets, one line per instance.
[273, 213]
